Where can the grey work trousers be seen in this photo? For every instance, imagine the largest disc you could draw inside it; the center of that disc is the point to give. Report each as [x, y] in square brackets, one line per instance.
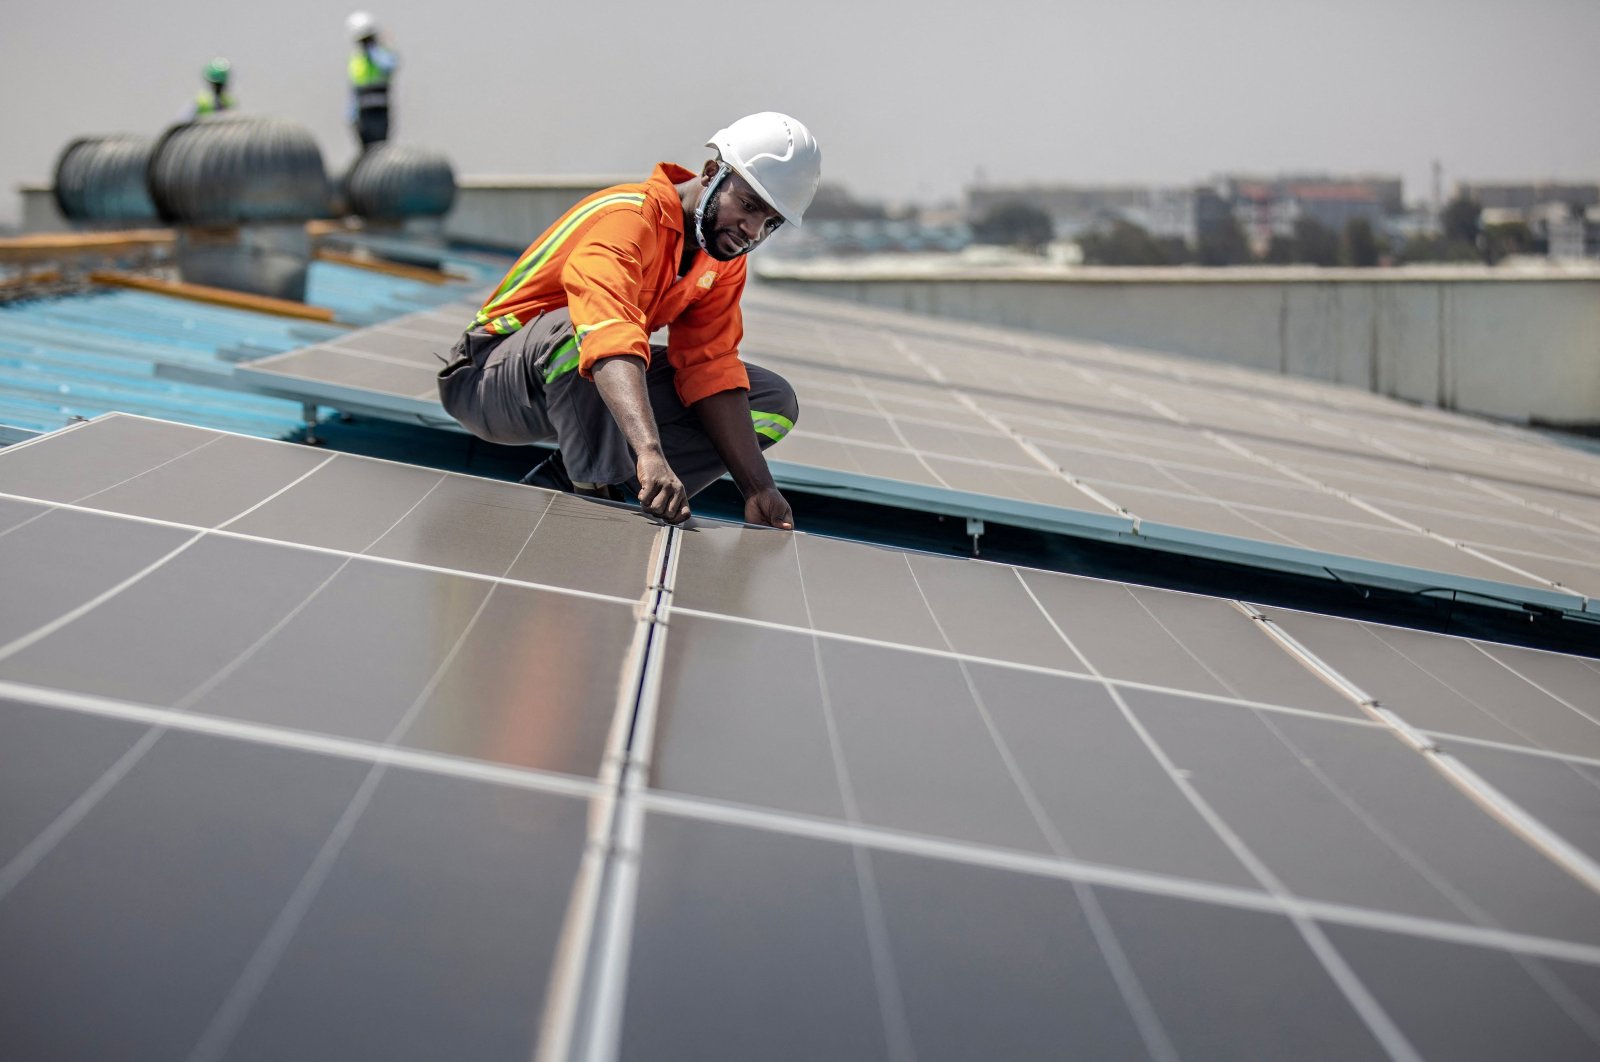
[525, 388]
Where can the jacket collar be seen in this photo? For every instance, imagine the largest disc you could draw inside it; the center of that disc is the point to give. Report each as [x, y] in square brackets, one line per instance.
[663, 189]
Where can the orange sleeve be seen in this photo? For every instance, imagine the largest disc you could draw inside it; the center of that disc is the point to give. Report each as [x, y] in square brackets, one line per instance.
[703, 343]
[602, 278]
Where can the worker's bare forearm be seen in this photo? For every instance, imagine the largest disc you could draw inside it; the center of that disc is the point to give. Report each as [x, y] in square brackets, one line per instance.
[622, 384]
[726, 418]
[621, 381]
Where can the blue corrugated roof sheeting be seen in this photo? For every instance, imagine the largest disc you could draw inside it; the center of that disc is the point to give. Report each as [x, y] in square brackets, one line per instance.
[83, 355]
[363, 298]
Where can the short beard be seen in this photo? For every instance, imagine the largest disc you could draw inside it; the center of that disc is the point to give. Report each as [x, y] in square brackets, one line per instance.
[708, 226]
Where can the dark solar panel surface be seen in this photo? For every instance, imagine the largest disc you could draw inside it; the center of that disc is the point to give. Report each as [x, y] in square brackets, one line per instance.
[1083, 438]
[311, 755]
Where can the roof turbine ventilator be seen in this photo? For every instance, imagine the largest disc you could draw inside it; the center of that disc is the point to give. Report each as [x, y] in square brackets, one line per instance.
[393, 181]
[238, 169]
[102, 179]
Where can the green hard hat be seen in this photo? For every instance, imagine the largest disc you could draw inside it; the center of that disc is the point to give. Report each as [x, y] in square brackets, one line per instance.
[216, 71]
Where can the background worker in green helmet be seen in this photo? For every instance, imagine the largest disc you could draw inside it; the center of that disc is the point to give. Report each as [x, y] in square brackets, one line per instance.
[371, 71]
[214, 97]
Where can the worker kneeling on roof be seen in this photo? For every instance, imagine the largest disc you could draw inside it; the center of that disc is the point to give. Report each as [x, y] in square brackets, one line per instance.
[561, 351]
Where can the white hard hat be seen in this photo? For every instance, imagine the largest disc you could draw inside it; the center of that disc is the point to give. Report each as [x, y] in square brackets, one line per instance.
[779, 158]
[360, 25]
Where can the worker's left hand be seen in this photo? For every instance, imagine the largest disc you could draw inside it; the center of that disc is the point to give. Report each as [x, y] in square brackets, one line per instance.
[766, 506]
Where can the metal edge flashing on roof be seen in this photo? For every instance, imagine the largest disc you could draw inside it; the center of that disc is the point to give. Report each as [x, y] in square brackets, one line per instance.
[1332, 565]
[9, 435]
[857, 486]
[1173, 539]
[425, 412]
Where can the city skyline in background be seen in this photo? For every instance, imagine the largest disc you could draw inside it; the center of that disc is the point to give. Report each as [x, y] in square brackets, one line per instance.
[910, 109]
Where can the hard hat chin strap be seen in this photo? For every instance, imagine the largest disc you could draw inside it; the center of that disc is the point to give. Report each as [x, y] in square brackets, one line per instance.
[700, 207]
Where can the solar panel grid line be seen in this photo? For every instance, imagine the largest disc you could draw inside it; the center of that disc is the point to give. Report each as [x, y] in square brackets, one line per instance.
[1564, 597]
[1332, 679]
[42, 845]
[1278, 466]
[23, 642]
[1537, 832]
[568, 591]
[575, 965]
[1480, 485]
[1140, 519]
[1571, 759]
[1536, 685]
[229, 1018]
[1497, 804]
[39, 633]
[1378, 1022]
[288, 738]
[1564, 997]
[604, 992]
[1132, 991]
[1117, 877]
[1354, 500]
[891, 1002]
[1500, 457]
[894, 425]
[1166, 366]
[1518, 819]
[1027, 446]
[366, 355]
[1015, 665]
[221, 529]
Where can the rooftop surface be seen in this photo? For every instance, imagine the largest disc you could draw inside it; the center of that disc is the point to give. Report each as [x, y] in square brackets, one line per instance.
[305, 753]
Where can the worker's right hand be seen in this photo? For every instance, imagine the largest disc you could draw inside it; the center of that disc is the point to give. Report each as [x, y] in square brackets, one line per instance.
[661, 493]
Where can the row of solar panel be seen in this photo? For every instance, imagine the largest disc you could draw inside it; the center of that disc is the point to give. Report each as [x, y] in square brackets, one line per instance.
[1089, 440]
[301, 754]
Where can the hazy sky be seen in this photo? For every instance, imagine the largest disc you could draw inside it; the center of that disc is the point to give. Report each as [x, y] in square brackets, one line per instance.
[908, 99]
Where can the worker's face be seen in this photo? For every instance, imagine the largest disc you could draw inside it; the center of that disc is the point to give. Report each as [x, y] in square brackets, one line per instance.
[736, 219]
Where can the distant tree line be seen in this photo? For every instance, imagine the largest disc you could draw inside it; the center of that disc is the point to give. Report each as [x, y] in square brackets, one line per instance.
[1464, 238]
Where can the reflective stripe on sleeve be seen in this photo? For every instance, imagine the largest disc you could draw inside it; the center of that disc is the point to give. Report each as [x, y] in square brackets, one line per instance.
[773, 425]
[584, 330]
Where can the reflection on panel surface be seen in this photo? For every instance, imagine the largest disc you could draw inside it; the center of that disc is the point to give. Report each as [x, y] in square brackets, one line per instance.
[309, 769]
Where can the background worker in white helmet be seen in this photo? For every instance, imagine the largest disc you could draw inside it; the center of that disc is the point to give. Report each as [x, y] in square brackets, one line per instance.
[214, 97]
[371, 70]
[561, 351]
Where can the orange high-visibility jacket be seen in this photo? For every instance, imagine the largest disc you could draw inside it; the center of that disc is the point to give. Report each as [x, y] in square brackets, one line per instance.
[612, 260]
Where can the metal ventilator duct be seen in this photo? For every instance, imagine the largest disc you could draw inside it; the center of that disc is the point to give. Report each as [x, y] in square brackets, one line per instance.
[239, 190]
[234, 170]
[102, 179]
[393, 181]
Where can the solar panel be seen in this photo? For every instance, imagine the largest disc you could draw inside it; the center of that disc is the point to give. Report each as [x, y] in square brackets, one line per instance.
[1114, 444]
[305, 754]
[388, 370]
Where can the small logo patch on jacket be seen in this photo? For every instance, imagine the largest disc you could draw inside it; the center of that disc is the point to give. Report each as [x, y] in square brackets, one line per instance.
[708, 278]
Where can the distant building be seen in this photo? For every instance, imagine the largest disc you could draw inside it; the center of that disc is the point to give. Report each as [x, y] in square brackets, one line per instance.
[862, 236]
[1525, 195]
[1269, 206]
[1075, 209]
[1564, 217]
